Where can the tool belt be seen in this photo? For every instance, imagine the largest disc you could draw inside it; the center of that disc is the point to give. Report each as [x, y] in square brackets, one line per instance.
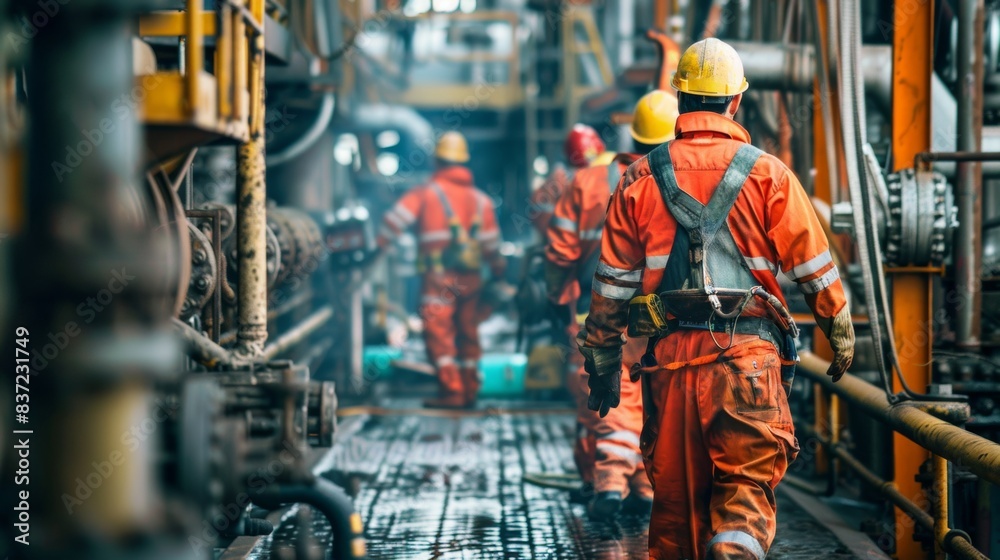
[770, 320]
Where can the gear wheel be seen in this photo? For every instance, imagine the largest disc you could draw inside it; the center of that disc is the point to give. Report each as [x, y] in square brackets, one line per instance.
[922, 215]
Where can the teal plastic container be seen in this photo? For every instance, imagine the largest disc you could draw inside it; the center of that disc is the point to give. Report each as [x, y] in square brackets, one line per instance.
[503, 375]
[378, 361]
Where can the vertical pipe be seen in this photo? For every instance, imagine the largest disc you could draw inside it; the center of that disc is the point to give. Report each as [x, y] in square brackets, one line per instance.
[251, 221]
[940, 501]
[969, 180]
[193, 52]
[912, 312]
[626, 33]
[240, 64]
[87, 276]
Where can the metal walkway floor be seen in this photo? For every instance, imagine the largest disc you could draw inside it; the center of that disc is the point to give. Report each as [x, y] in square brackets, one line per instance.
[444, 487]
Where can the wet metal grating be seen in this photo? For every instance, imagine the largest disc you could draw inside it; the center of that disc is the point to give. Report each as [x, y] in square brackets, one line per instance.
[431, 487]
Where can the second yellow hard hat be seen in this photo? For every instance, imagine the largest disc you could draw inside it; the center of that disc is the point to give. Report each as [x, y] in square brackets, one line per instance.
[452, 147]
[710, 68]
[654, 118]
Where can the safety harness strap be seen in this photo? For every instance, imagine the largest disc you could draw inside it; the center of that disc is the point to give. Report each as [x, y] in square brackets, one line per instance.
[690, 214]
[614, 175]
[449, 213]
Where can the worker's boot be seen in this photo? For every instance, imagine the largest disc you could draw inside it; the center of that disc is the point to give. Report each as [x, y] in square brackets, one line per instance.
[605, 506]
[583, 494]
[635, 504]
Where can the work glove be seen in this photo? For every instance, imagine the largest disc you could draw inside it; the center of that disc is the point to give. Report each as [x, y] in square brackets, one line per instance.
[840, 332]
[556, 278]
[605, 368]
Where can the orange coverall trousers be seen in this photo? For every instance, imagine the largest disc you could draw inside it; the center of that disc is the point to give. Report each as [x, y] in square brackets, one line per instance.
[451, 315]
[607, 452]
[718, 438]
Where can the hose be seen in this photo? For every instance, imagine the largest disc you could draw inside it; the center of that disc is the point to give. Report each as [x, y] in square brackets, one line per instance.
[851, 90]
[852, 133]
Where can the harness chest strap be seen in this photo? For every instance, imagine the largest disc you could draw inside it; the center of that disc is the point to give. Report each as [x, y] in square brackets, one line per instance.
[449, 213]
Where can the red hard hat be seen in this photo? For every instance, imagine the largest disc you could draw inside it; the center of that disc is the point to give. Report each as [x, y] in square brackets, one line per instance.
[583, 144]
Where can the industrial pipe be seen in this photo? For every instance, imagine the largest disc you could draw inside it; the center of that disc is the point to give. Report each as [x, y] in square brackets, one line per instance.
[332, 502]
[950, 540]
[201, 349]
[251, 217]
[324, 42]
[307, 140]
[980, 455]
[296, 335]
[969, 177]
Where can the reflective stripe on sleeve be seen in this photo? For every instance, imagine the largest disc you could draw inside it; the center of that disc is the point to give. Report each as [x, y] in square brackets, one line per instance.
[812, 266]
[821, 283]
[613, 292]
[592, 234]
[546, 207]
[405, 214]
[564, 224]
[619, 273]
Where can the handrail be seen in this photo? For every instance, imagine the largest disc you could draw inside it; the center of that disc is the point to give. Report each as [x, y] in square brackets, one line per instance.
[925, 426]
[978, 454]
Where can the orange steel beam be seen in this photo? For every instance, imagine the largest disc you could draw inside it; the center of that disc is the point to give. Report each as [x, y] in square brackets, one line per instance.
[912, 58]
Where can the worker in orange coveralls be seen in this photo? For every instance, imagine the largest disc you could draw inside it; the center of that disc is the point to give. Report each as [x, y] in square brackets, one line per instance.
[606, 451]
[582, 145]
[458, 233]
[693, 240]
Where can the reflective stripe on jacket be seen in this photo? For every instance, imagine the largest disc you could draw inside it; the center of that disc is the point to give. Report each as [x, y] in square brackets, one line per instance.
[772, 221]
[421, 208]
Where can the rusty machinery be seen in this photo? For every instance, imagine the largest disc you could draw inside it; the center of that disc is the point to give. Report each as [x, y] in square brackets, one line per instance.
[237, 284]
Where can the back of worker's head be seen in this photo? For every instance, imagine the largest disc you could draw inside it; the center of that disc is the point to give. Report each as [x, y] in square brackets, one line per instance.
[451, 149]
[710, 77]
[653, 120]
[583, 144]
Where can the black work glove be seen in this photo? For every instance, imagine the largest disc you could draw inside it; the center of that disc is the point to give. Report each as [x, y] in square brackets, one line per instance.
[605, 368]
[605, 392]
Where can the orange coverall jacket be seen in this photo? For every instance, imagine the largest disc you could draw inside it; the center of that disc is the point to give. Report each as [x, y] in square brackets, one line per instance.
[607, 455]
[717, 436]
[450, 300]
[543, 201]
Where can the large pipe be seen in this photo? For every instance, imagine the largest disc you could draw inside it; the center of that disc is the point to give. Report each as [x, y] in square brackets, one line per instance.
[251, 218]
[980, 455]
[792, 67]
[302, 331]
[406, 120]
[201, 349]
[969, 179]
[307, 140]
[85, 247]
[332, 502]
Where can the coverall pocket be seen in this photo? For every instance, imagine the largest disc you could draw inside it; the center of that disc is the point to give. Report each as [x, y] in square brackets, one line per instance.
[755, 381]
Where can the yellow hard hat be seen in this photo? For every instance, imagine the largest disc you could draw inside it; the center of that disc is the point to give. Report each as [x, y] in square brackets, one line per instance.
[654, 117]
[710, 68]
[452, 147]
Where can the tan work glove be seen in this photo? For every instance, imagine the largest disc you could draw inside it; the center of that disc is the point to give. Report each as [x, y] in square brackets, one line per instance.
[840, 332]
